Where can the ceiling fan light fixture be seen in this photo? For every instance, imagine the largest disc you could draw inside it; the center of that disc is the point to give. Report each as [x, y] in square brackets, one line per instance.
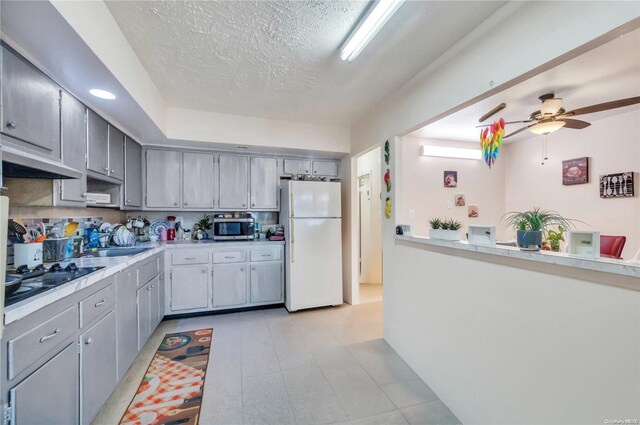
[551, 106]
[546, 127]
[376, 17]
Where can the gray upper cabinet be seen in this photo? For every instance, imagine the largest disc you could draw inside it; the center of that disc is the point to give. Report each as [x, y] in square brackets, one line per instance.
[74, 148]
[297, 166]
[98, 366]
[325, 168]
[264, 183]
[116, 153]
[163, 178]
[30, 105]
[133, 174]
[50, 394]
[97, 144]
[198, 180]
[234, 182]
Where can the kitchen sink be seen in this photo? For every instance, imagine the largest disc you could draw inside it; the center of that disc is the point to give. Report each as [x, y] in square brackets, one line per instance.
[118, 252]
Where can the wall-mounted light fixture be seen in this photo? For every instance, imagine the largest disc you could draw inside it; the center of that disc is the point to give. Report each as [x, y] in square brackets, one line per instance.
[377, 15]
[102, 94]
[449, 152]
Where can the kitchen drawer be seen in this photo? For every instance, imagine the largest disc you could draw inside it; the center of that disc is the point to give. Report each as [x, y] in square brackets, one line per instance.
[41, 340]
[98, 304]
[148, 270]
[229, 257]
[266, 255]
[189, 257]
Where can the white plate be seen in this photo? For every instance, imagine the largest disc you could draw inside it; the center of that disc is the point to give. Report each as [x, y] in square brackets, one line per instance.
[157, 226]
[106, 227]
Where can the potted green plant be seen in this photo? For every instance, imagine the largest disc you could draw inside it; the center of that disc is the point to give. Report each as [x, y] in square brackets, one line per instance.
[444, 229]
[531, 224]
[201, 227]
[554, 238]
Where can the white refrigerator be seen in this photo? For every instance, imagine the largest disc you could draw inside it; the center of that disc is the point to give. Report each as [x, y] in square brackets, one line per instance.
[311, 215]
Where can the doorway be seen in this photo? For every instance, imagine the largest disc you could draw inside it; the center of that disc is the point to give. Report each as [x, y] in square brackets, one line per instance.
[369, 227]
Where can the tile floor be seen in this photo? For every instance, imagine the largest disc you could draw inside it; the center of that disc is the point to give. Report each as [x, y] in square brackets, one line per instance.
[370, 293]
[321, 366]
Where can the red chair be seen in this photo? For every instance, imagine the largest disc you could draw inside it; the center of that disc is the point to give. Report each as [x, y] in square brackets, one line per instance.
[611, 246]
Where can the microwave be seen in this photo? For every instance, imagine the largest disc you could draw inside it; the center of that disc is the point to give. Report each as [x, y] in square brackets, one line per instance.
[226, 229]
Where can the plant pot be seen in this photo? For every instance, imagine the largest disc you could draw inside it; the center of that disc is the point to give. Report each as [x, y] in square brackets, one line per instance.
[529, 239]
[447, 235]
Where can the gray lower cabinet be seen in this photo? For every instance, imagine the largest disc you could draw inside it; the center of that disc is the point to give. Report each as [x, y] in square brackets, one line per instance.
[98, 366]
[229, 284]
[198, 180]
[189, 288]
[144, 310]
[161, 295]
[50, 394]
[133, 174]
[266, 282]
[126, 318]
[97, 143]
[233, 182]
[264, 183]
[74, 149]
[163, 178]
[116, 153]
[30, 105]
[154, 304]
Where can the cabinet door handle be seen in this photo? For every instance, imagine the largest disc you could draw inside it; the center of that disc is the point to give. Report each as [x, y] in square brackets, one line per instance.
[12, 125]
[253, 205]
[84, 195]
[241, 269]
[253, 268]
[128, 201]
[204, 270]
[244, 205]
[99, 303]
[47, 337]
[113, 171]
[153, 286]
[175, 204]
[106, 168]
[190, 258]
[266, 255]
[88, 340]
[186, 204]
[229, 257]
[306, 171]
[149, 288]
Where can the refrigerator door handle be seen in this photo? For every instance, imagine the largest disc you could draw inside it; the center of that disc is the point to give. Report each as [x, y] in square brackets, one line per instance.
[293, 241]
[291, 202]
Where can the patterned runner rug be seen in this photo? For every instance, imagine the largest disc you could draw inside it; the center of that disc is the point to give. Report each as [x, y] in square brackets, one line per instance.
[171, 391]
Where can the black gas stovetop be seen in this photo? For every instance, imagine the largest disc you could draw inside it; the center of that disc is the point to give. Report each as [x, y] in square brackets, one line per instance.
[39, 279]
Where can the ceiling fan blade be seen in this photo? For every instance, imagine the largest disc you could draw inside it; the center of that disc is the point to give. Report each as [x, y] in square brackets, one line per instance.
[508, 122]
[575, 124]
[520, 130]
[603, 106]
[492, 112]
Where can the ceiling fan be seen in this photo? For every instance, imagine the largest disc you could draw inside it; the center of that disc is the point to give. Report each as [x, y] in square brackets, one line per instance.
[552, 116]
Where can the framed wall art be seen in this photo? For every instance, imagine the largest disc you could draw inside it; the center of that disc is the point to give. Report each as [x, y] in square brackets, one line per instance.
[450, 179]
[575, 171]
[619, 185]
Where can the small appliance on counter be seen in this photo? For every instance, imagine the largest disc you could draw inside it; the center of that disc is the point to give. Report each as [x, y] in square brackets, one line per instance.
[234, 228]
[584, 244]
[28, 253]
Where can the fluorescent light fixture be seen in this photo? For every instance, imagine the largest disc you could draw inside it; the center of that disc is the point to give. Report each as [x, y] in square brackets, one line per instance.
[449, 152]
[377, 15]
[546, 127]
[102, 94]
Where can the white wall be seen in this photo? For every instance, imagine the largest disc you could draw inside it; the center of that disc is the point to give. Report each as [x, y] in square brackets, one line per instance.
[371, 251]
[183, 124]
[424, 192]
[529, 42]
[505, 345]
[612, 145]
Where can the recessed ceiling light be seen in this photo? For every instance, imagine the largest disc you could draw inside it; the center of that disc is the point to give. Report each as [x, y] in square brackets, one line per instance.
[102, 94]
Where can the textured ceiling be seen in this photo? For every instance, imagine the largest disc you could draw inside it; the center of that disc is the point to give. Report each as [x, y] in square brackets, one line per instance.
[279, 59]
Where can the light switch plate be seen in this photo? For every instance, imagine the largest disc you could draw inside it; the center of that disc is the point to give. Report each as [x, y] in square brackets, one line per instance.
[412, 213]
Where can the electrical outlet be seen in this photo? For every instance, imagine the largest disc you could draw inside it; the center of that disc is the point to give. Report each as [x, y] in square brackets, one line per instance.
[449, 204]
[412, 213]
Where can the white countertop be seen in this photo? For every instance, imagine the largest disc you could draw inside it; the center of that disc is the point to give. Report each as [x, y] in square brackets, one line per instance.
[111, 266]
[605, 265]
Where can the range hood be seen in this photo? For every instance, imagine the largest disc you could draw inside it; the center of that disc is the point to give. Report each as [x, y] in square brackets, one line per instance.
[20, 164]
